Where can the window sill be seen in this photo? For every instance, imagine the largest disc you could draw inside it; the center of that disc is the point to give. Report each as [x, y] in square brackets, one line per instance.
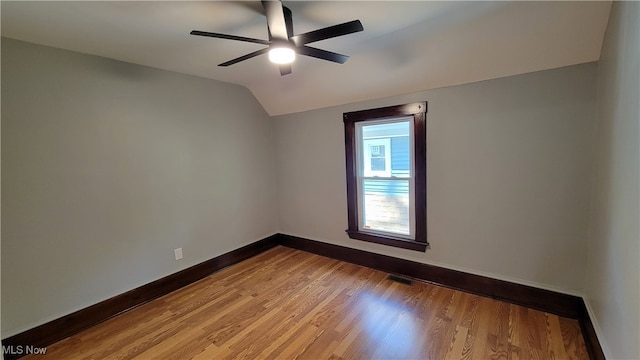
[388, 240]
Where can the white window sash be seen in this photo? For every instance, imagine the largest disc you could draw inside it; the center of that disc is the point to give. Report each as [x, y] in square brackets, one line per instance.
[360, 178]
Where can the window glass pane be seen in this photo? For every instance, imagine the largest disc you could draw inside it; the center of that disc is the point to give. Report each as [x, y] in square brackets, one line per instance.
[386, 206]
[378, 164]
[385, 149]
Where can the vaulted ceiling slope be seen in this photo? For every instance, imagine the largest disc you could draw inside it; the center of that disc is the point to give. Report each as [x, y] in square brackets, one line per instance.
[405, 47]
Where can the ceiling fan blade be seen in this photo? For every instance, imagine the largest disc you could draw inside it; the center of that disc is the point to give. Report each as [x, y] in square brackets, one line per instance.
[275, 19]
[328, 32]
[285, 69]
[229, 37]
[322, 54]
[245, 57]
[288, 21]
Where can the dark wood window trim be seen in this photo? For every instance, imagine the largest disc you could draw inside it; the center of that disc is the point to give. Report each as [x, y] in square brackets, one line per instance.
[418, 111]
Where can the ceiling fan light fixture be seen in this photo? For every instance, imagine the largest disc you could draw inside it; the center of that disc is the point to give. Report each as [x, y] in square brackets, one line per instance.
[282, 55]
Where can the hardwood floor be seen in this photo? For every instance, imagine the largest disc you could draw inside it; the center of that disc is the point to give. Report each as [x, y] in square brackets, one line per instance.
[286, 304]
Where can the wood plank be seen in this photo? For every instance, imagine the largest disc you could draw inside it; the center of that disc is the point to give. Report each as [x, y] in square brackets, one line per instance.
[573, 340]
[287, 303]
[457, 345]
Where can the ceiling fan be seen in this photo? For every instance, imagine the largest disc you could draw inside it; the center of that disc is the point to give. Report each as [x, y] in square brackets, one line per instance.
[283, 45]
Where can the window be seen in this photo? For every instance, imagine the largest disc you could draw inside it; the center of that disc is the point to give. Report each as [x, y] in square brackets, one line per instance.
[385, 152]
[377, 162]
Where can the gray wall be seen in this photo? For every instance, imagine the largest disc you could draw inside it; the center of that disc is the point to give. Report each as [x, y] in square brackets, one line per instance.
[613, 273]
[108, 166]
[508, 174]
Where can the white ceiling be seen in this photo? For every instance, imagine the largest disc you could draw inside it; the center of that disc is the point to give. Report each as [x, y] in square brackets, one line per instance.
[405, 47]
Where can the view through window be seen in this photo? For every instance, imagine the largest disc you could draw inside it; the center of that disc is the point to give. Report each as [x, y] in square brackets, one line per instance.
[384, 167]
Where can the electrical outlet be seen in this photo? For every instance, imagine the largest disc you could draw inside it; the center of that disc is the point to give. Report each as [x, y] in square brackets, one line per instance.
[178, 253]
